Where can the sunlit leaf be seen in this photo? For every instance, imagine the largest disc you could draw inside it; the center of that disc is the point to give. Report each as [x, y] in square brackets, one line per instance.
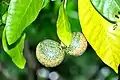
[21, 13]
[102, 35]
[108, 8]
[4, 17]
[16, 53]
[63, 27]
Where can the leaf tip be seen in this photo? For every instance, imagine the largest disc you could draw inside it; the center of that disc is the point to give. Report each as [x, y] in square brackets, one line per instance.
[20, 64]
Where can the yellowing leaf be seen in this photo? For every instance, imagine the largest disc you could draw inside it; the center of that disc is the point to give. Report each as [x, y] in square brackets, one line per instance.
[102, 35]
[63, 27]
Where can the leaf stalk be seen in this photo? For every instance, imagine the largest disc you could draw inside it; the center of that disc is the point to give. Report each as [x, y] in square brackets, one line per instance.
[65, 3]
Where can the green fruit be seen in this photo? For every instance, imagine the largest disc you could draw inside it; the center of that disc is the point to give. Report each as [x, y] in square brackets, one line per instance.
[49, 53]
[78, 44]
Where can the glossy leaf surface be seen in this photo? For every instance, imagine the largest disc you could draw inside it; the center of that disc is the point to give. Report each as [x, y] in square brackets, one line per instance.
[102, 35]
[21, 13]
[63, 27]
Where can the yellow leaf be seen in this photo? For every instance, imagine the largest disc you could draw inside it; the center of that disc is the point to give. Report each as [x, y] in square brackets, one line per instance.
[63, 27]
[102, 35]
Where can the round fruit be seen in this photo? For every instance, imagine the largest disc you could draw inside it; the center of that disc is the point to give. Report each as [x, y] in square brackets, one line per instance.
[78, 44]
[49, 53]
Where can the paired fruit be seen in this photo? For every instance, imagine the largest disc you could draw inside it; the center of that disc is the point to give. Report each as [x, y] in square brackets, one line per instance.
[50, 53]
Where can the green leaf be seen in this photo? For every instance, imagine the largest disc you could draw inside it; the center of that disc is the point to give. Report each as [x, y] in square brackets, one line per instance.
[63, 27]
[3, 8]
[102, 35]
[16, 53]
[21, 13]
[108, 8]
[4, 17]
[45, 3]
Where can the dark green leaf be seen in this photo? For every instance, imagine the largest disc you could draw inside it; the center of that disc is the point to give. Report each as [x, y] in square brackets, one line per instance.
[63, 27]
[16, 53]
[108, 8]
[3, 8]
[0, 22]
[21, 13]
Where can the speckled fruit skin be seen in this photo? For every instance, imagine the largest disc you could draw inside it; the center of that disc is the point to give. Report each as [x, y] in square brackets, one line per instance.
[49, 53]
[78, 44]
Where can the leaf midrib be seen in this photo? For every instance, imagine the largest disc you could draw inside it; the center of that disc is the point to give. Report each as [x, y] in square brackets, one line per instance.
[24, 13]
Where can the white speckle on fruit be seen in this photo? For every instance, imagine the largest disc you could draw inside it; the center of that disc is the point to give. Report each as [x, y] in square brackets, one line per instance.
[49, 53]
[78, 45]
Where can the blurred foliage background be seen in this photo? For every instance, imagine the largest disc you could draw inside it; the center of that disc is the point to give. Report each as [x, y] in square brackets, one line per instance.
[85, 67]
